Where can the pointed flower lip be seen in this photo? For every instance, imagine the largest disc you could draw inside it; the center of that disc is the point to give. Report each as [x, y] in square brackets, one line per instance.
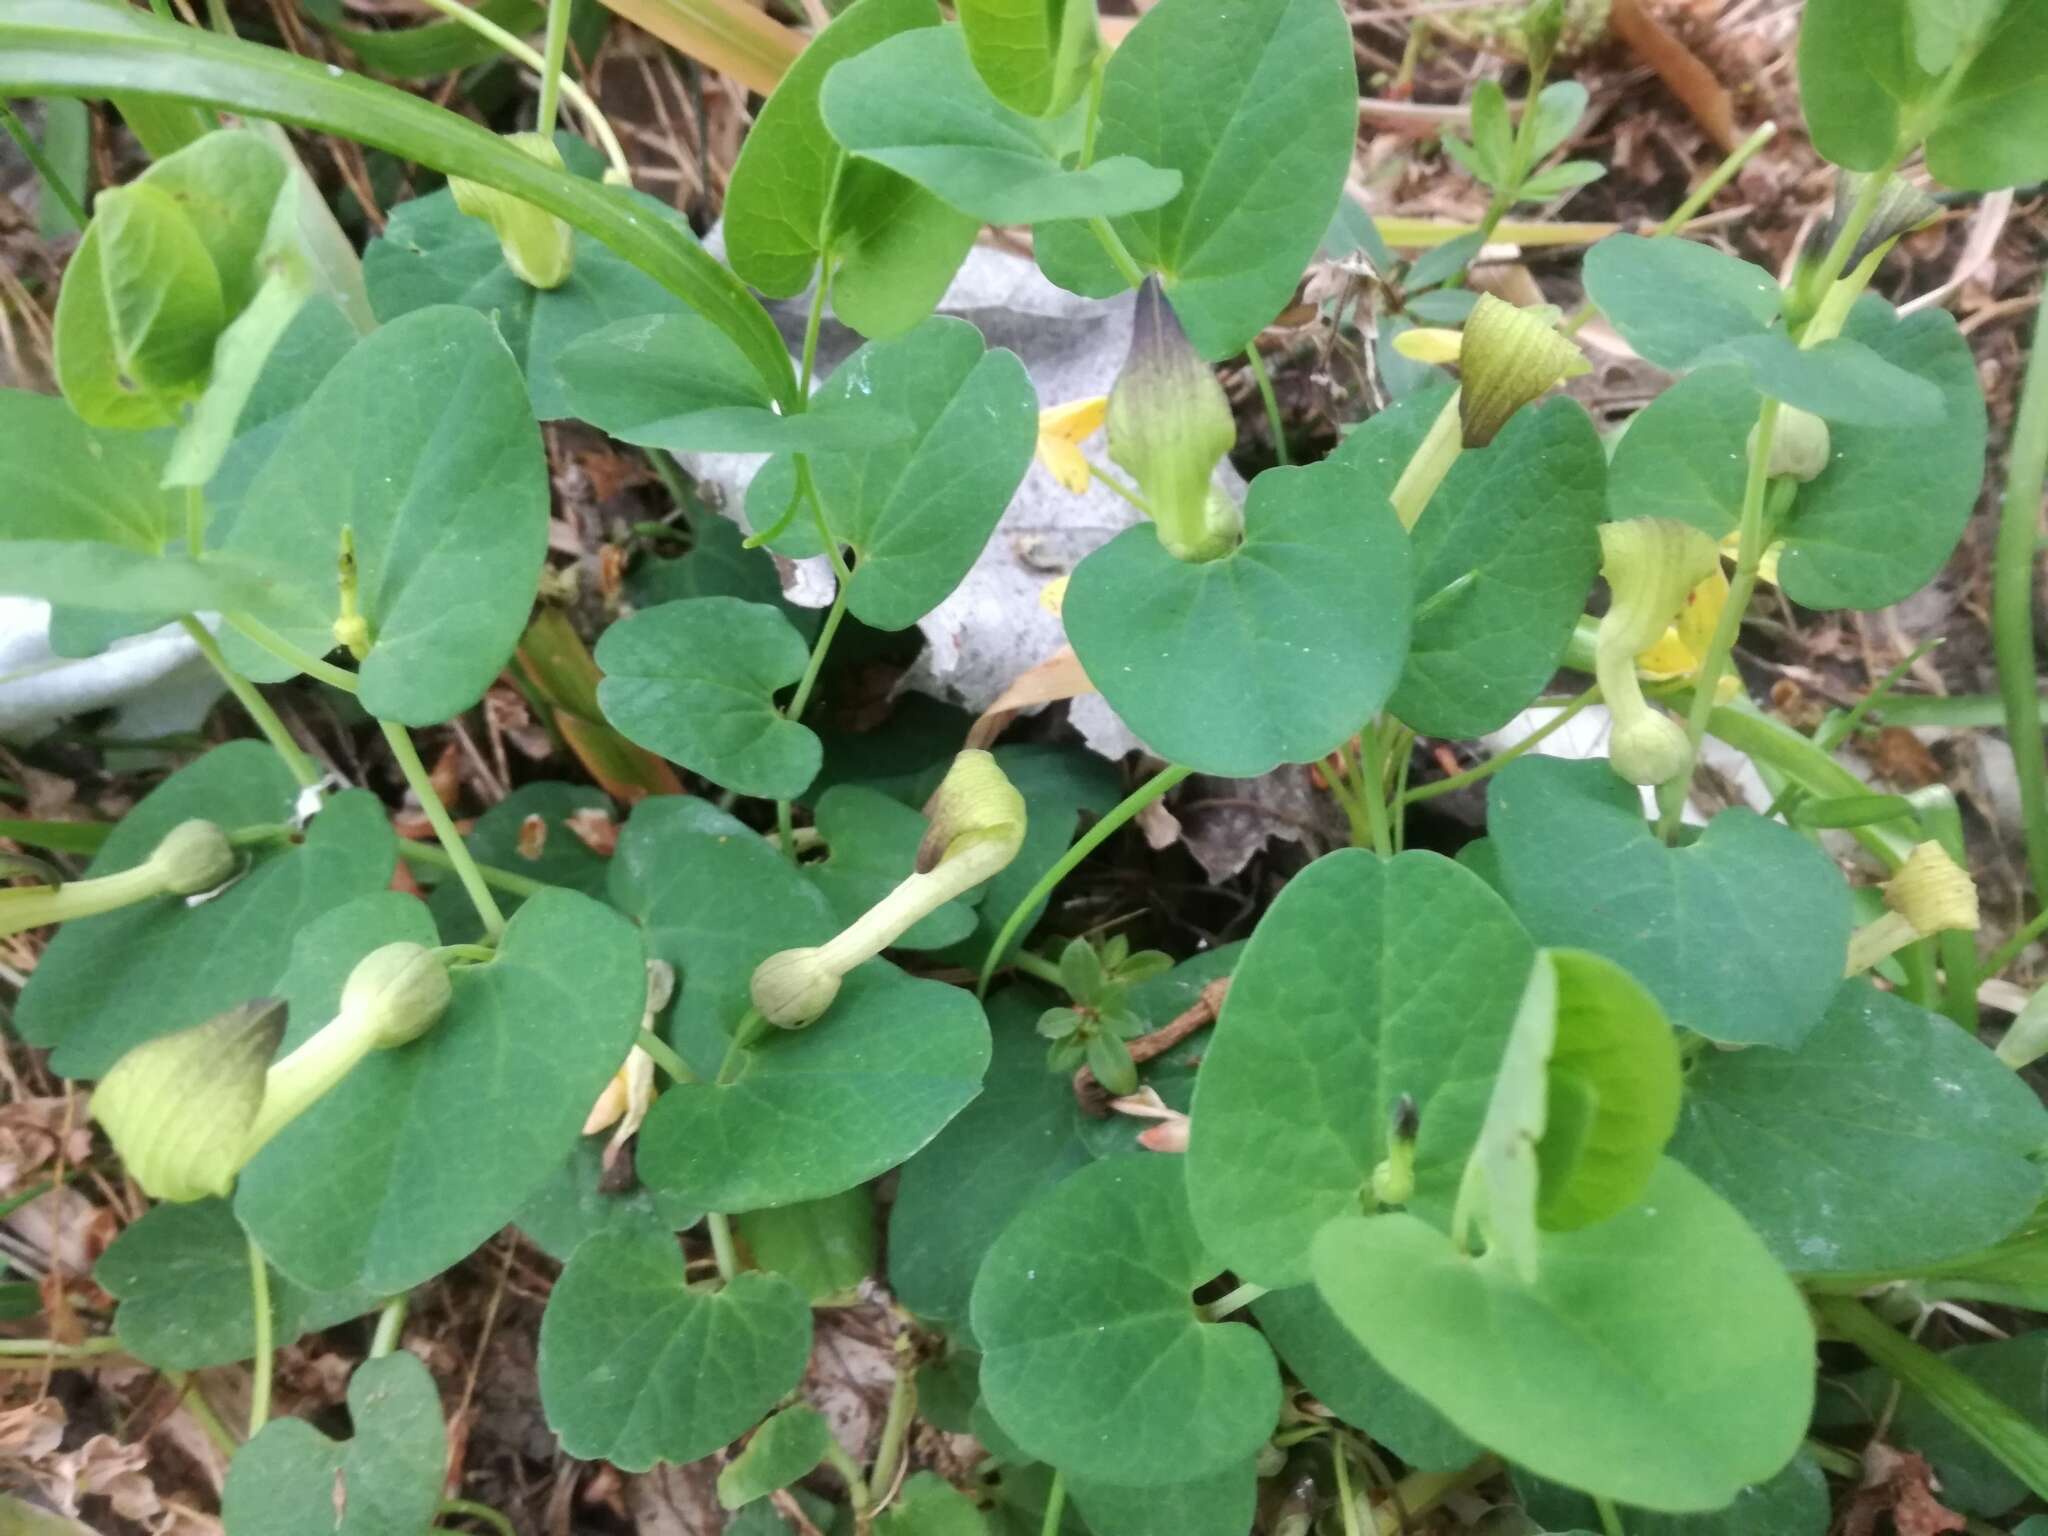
[179, 1108]
[1061, 431]
[1170, 424]
[1933, 892]
[1652, 566]
[538, 247]
[1509, 357]
[975, 805]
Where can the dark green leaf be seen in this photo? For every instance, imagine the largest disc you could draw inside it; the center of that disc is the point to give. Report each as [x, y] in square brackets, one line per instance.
[109, 983]
[915, 105]
[1684, 1351]
[422, 443]
[1094, 1358]
[1255, 108]
[696, 681]
[815, 1111]
[1319, 1040]
[1222, 1504]
[574, 1204]
[422, 1152]
[826, 1247]
[1890, 1139]
[1794, 1503]
[783, 1449]
[549, 852]
[1272, 654]
[285, 1481]
[1700, 926]
[636, 1367]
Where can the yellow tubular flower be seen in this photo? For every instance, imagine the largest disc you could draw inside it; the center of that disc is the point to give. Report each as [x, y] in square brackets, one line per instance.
[1061, 431]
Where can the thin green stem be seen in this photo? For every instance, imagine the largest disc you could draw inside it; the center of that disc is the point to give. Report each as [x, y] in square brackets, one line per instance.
[257, 633]
[469, 1509]
[1504, 198]
[896, 1423]
[440, 858]
[1813, 287]
[849, 1473]
[665, 1057]
[2012, 602]
[577, 97]
[38, 1349]
[1715, 180]
[1347, 1501]
[1119, 255]
[720, 1228]
[254, 704]
[195, 1403]
[422, 785]
[1372, 787]
[1234, 1301]
[1748, 562]
[1260, 377]
[814, 321]
[1695, 200]
[390, 1324]
[217, 17]
[60, 189]
[1610, 1517]
[2010, 950]
[555, 49]
[801, 699]
[1500, 760]
[1136, 801]
[1127, 492]
[260, 1362]
[1055, 1505]
[744, 1034]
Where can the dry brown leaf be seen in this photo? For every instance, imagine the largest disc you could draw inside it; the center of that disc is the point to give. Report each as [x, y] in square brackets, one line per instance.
[533, 838]
[595, 830]
[34, 1132]
[1704, 96]
[105, 1467]
[31, 1431]
[1899, 1484]
[1057, 677]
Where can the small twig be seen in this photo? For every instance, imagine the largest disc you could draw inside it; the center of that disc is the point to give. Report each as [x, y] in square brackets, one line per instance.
[1094, 1099]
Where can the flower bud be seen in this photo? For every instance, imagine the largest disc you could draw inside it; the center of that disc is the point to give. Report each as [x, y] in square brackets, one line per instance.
[1393, 1181]
[538, 247]
[397, 993]
[1800, 447]
[793, 987]
[1651, 565]
[1170, 424]
[1509, 357]
[193, 857]
[977, 825]
[178, 1109]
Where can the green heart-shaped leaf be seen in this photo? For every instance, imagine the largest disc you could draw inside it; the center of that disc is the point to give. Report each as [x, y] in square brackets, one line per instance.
[1505, 556]
[1224, 1503]
[1321, 1037]
[917, 510]
[1684, 1351]
[1265, 109]
[1701, 926]
[1018, 1138]
[1275, 653]
[872, 845]
[573, 1204]
[433, 253]
[422, 444]
[1889, 1139]
[795, 195]
[422, 1152]
[1033, 54]
[181, 1274]
[696, 681]
[1331, 1363]
[291, 1479]
[106, 984]
[1093, 1356]
[915, 105]
[782, 1450]
[637, 1367]
[872, 1081]
[677, 382]
[825, 1247]
[715, 899]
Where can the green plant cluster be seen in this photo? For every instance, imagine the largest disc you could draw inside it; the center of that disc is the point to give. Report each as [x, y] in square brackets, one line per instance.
[1566, 1154]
